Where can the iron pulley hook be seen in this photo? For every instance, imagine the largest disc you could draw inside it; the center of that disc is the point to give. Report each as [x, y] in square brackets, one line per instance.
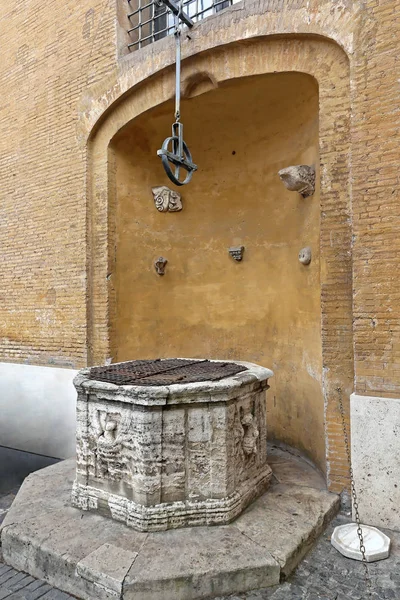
[174, 152]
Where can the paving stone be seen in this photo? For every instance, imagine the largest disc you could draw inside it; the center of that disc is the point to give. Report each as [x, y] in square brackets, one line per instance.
[4, 569]
[18, 582]
[7, 575]
[34, 585]
[36, 594]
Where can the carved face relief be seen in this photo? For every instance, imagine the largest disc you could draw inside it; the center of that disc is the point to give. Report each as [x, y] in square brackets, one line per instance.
[299, 178]
[166, 200]
[305, 255]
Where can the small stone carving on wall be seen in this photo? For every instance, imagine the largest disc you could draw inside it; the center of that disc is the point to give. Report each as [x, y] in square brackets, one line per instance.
[305, 255]
[166, 200]
[160, 265]
[299, 178]
[236, 252]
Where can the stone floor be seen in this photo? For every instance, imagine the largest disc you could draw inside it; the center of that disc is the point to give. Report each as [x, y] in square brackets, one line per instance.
[323, 575]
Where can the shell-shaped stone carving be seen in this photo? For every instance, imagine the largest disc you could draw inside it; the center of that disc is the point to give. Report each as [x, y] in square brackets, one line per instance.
[300, 178]
[166, 200]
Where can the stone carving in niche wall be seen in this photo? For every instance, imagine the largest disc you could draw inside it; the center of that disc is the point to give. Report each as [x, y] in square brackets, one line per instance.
[160, 265]
[166, 200]
[305, 255]
[300, 178]
[236, 252]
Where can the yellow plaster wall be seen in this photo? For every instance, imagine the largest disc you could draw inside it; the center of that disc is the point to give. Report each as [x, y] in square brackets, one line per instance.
[265, 309]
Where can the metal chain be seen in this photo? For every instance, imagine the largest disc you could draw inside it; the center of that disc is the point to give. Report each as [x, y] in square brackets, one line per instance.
[354, 496]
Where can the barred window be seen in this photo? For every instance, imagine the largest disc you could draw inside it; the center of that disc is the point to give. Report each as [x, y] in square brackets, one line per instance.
[151, 20]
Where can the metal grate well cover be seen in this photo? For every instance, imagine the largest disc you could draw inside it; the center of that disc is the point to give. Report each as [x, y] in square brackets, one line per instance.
[164, 371]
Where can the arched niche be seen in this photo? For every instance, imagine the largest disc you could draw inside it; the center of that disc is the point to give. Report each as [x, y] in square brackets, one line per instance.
[294, 319]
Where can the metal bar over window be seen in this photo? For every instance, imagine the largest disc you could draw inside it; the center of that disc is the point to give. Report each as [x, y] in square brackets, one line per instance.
[151, 21]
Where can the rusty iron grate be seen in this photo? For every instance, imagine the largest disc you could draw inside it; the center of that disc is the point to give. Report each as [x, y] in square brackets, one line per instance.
[164, 371]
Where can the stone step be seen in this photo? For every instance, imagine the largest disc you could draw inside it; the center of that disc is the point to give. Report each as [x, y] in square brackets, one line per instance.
[96, 558]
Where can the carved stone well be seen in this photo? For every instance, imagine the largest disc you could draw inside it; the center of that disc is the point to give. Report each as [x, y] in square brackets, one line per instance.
[171, 443]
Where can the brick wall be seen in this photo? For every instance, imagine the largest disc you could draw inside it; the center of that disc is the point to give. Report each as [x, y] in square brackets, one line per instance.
[50, 53]
[376, 200]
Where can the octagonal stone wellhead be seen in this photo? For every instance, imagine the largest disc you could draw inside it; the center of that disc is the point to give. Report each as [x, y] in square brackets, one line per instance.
[171, 449]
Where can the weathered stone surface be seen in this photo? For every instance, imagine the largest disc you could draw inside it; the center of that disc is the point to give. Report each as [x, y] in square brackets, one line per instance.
[292, 469]
[199, 563]
[288, 520]
[107, 566]
[172, 456]
[48, 538]
[68, 548]
[324, 573]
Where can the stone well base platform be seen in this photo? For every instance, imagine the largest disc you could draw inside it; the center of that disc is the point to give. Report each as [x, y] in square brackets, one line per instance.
[96, 558]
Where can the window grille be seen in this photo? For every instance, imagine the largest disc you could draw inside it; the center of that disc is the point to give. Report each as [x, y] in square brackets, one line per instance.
[151, 20]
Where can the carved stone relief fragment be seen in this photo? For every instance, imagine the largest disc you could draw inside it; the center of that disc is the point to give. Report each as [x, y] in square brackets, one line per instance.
[251, 434]
[236, 252]
[109, 462]
[305, 255]
[299, 178]
[166, 200]
[160, 265]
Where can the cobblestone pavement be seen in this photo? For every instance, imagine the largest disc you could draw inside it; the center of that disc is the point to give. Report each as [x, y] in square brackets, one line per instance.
[323, 575]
